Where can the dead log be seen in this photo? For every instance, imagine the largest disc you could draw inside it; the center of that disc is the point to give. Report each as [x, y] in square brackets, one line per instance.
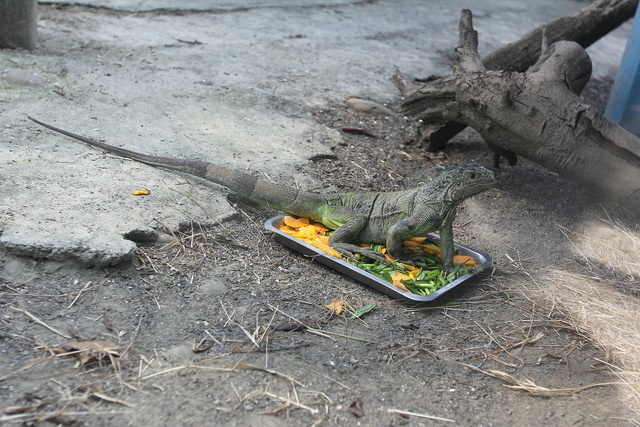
[535, 114]
[585, 27]
[18, 23]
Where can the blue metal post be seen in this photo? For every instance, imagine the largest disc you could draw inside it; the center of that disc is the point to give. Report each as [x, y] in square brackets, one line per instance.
[623, 107]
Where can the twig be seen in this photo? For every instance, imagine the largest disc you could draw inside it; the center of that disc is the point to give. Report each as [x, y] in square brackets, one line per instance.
[616, 368]
[291, 402]
[183, 367]
[415, 414]
[230, 320]
[325, 334]
[155, 270]
[111, 399]
[331, 379]
[24, 368]
[48, 415]
[533, 388]
[269, 371]
[79, 293]
[206, 331]
[155, 299]
[133, 337]
[351, 337]
[35, 319]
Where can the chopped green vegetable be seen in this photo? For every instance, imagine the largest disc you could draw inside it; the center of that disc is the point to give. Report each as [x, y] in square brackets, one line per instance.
[362, 311]
[420, 280]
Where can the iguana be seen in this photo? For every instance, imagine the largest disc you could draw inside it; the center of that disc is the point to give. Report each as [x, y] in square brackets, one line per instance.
[371, 217]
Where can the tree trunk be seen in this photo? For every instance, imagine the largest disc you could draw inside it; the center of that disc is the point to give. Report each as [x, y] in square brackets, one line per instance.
[536, 114]
[585, 27]
[18, 23]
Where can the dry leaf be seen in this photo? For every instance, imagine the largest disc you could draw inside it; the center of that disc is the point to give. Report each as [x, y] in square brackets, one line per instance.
[96, 349]
[356, 408]
[11, 410]
[203, 345]
[336, 306]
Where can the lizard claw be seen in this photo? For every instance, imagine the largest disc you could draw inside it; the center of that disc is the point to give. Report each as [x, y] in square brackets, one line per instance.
[411, 258]
[348, 250]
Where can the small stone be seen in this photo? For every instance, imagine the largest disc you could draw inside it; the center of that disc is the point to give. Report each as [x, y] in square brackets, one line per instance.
[23, 77]
[295, 270]
[51, 266]
[213, 287]
[370, 107]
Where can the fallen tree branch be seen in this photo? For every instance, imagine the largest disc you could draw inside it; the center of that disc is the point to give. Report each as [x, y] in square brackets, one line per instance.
[536, 114]
[585, 27]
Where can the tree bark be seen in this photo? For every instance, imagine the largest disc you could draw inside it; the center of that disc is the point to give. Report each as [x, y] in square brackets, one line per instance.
[18, 23]
[536, 114]
[585, 27]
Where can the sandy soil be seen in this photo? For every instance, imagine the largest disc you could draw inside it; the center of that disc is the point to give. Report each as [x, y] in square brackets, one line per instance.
[202, 324]
[217, 324]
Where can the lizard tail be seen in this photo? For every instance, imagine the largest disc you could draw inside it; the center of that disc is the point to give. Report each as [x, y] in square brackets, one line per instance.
[254, 188]
[192, 167]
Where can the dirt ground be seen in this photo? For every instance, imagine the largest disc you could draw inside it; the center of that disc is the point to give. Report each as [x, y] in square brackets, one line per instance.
[218, 324]
[203, 328]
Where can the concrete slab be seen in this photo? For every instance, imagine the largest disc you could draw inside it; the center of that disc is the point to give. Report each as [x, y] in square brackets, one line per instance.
[236, 87]
[202, 5]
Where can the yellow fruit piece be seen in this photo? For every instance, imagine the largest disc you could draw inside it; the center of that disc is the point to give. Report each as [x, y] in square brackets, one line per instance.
[318, 243]
[286, 229]
[397, 277]
[336, 306]
[416, 239]
[467, 260]
[141, 192]
[295, 222]
[320, 227]
[401, 286]
[323, 239]
[431, 250]
[308, 231]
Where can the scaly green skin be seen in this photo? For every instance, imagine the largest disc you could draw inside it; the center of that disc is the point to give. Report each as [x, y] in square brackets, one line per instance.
[374, 217]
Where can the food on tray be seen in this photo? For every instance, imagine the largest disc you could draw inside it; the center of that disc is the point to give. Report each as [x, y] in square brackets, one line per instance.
[424, 279]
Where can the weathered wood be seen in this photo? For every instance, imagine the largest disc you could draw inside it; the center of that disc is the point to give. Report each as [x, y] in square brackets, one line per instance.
[585, 27]
[536, 114]
[18, 23]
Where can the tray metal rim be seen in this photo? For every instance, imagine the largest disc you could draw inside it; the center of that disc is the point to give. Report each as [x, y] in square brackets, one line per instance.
[372, 281]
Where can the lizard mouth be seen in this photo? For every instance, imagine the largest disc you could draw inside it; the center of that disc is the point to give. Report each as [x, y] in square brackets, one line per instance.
[492, 178]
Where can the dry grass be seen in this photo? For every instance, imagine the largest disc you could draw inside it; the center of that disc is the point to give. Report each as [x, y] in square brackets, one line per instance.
[602, 302]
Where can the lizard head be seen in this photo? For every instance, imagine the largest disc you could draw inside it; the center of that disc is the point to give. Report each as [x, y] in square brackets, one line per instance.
[456, 184]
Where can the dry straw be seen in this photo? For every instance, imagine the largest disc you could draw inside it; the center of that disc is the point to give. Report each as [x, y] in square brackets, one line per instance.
[603, 300]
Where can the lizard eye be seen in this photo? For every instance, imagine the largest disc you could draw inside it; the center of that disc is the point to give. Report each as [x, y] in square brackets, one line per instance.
[472, 175]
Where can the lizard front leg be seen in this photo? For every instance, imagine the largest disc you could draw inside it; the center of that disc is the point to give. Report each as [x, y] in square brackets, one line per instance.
[446, 244]
[416, 225]
[344, 237]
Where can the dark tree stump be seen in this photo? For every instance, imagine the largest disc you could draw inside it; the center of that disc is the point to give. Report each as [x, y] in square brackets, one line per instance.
[18, 23]
[536, 114]
[585, 27]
